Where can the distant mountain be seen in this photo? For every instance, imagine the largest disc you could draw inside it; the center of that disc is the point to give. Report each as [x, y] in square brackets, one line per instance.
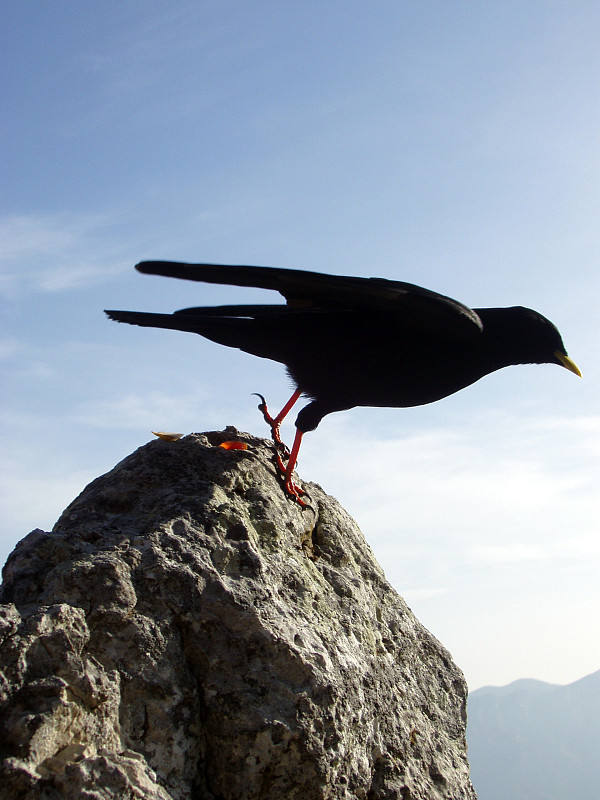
[532, 740]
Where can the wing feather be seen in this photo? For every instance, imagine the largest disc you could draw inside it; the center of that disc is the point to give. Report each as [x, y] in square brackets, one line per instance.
[416, 307]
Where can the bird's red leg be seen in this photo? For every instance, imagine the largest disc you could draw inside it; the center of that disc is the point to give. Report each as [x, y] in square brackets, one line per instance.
[275, 422]
[291, 488]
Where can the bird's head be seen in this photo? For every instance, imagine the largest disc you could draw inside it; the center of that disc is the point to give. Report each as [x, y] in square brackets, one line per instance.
[540, 339]
[523, 336]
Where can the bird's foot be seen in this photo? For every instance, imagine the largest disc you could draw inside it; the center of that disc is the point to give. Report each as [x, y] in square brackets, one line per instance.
[273, 423]
[281, 451]
[291, 487]
[293, 490]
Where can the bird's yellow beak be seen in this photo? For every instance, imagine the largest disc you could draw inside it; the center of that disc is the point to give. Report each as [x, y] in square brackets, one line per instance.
[567, 362]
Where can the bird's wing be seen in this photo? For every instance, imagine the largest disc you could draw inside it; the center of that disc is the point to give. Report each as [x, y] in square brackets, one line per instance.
[251, 311]
[416, 307]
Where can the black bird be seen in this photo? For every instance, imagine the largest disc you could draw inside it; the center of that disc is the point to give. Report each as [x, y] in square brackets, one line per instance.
[350, 342]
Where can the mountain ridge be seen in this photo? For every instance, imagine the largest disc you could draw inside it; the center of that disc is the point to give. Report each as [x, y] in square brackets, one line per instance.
[532, 740]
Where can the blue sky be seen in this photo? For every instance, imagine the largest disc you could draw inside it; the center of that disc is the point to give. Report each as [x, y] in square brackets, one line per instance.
[453, 145]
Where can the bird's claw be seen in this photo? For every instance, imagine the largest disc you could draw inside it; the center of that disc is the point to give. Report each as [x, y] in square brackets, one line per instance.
[272, 423]
[291, 487]
[262, 406]
[294, 491]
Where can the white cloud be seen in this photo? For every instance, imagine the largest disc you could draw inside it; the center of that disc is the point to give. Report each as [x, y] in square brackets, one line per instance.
[54, 252]
[495, 492]
[37, 479]
[139, 410]
[24, 236]
[9, 348]
[502, 554]
[36, 500]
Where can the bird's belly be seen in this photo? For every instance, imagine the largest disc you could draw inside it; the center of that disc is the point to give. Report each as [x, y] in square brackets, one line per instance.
[384, 379]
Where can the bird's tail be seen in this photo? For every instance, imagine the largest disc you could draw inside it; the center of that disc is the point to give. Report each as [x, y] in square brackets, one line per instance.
[149, 320]
[246, 334]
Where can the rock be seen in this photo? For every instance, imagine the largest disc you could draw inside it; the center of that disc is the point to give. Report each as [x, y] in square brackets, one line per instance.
[188, 631]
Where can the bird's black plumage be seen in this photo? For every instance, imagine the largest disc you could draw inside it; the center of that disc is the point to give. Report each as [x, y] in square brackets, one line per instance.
[350, 341]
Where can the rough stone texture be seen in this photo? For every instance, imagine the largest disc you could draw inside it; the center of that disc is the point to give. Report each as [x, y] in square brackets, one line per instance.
[188, 631]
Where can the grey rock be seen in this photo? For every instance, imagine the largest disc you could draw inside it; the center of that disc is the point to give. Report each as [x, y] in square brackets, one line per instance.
[188, 631]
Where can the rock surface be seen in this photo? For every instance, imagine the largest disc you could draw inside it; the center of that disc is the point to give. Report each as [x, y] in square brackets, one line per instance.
[188, 631]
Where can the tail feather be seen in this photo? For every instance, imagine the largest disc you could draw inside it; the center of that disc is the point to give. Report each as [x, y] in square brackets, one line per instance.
[245, 334]
[148, 320]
